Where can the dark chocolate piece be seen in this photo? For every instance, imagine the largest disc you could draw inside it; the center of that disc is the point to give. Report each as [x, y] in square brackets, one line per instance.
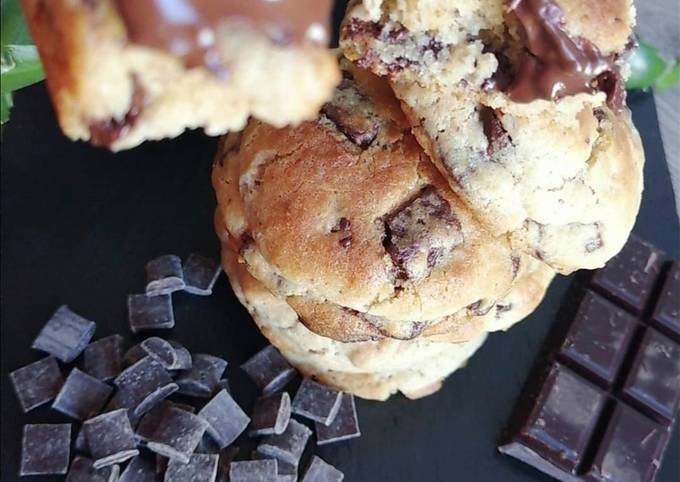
[321, 471]
[557, 428]
[140, 469]
[45, 449]
[288, 446]
[359, 130]
[134, 354]
[200, 468]
[345, 425]
[630, 276]
[667, 312]
[269, 370]
[37, 383]
[82, 470]
[150, 312]
[154, 417]
[171, 355]
[80, 443]
[654, 379]
[200, 274]
[177, 435]
[82, 395]
[421, 233]
[635, 368]
[598, 337]
[202, 378]
[286, 472]
[164, 275]
[65, 335]
[270, 415]
[103, 358]
[110, 438]
[253, 471]
[143, 385]
[631, 449]
[316, 402]
[225, 418]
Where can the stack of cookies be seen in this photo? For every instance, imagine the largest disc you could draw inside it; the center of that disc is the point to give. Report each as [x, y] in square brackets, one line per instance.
[377, 245]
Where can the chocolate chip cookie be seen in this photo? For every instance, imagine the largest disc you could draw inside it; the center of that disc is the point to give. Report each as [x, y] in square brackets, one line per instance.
[521, 106]
[349, 210]
[121, 71]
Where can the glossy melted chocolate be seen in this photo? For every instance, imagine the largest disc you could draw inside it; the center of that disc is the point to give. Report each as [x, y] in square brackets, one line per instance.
[555, 63]
[187, 28]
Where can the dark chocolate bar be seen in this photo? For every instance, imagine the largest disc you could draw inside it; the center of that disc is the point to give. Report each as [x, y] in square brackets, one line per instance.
[603, 406]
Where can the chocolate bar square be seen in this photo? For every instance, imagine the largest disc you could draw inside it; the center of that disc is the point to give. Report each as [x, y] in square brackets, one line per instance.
[270, 415]
[599, 336]
[82, 395]
[177, 435]
[164, 275]
[630, 276]
[269, 370]
[316, 402]
[150, 312]
[345, 425]
[110, 438]
[143, 385]
[558, 426]
[321, 471]
[667, 311]
[200, 468]
[654, 378]
[200, 274]
[225, 418]
[82, 470]
[202, 378]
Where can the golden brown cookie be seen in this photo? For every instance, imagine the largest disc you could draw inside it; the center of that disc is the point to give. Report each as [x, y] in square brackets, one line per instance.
[121, 71]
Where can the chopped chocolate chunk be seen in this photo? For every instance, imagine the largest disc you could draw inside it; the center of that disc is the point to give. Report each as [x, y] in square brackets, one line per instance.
[496, 135]
[103, 358]
[140, 469]
[150, 312]
[202, 378]
[481, 307]
[288, 446]
[598, 337]
[345, 425]
[200, 274]
[37, 383]
[45, 449]
[154, 417]
[556, 430]
[359, 130]
[164, 275]
[270, 415]
[177, 435]
[269, 370]
[631, 448]
[630, 276]
[80, 443]
[226, 420]
[321, 471]
[65, 335]
[667, 311]
[253, 471]
[143, 385]
[110, 438]
[200, 468]
[316, 402]
[171, 355]
[82, 470]
[419, 234]
[654, 378]
[82, 395]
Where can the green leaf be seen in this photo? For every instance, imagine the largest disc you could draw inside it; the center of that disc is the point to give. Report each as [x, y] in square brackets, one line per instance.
[12, 26]
[19, 66]
[5, 106]
[670, 78]
[646, 67]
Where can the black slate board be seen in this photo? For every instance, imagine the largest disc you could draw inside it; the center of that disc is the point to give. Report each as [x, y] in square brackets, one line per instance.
[79, 223]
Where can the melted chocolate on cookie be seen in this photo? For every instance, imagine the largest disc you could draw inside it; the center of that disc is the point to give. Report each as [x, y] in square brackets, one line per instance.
[187, 28]
[555, 63]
